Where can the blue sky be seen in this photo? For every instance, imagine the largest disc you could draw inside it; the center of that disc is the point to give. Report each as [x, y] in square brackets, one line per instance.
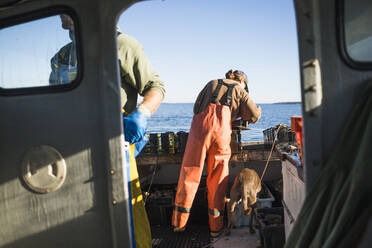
[190, 42]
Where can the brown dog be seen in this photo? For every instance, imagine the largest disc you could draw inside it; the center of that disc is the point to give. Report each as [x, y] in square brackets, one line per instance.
[246, 186]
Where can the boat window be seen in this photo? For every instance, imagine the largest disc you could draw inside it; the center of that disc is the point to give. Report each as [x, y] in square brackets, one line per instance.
[357, 29]
[38, 53]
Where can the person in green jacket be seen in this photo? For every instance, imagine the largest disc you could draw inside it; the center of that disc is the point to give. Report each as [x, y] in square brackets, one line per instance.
[137, 78]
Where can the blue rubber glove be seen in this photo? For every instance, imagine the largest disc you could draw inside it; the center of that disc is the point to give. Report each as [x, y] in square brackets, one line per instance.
[140, 145]
[135, 126]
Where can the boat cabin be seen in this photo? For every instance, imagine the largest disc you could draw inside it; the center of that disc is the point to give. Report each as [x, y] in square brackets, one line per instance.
[63, 176]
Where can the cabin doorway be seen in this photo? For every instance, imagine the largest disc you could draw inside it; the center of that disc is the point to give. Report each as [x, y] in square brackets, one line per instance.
[190, 43]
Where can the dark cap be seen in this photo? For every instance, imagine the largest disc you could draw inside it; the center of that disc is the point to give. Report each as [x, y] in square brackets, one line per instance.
[241, 73]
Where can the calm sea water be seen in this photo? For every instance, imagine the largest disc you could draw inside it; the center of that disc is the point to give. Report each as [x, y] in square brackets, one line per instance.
[176, 117]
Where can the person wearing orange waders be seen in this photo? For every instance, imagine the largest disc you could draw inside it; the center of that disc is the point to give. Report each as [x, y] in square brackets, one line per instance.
[137, 78]
[218, 104]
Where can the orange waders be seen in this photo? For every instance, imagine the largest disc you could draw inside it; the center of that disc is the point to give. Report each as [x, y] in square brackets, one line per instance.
[209, 137]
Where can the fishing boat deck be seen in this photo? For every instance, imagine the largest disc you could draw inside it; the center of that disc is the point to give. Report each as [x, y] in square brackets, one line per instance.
[159, 174]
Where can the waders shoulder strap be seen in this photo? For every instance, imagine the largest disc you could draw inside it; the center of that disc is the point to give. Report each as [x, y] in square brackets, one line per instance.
[216, 91]
[229, 92]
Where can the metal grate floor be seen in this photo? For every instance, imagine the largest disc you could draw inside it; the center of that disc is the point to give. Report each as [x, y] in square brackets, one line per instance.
[192, 237]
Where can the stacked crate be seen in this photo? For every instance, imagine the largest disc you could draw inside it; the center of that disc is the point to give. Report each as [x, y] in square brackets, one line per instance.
[165, 143]
[284, 134]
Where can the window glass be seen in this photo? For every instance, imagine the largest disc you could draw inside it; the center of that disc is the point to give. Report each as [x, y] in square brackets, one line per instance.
[358, 29]
[38, 53]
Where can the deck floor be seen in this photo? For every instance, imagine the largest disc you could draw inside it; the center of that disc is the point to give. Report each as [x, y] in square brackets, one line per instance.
[239, 238]
[192, 237]
[198, 237]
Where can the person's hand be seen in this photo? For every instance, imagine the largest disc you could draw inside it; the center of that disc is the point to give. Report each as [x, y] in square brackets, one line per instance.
[140, 145]
[135, 126]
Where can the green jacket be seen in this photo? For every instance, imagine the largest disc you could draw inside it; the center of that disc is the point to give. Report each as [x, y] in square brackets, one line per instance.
[137, 74]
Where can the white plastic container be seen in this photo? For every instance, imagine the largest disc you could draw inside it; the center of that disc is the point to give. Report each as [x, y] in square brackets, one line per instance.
[266, 202]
